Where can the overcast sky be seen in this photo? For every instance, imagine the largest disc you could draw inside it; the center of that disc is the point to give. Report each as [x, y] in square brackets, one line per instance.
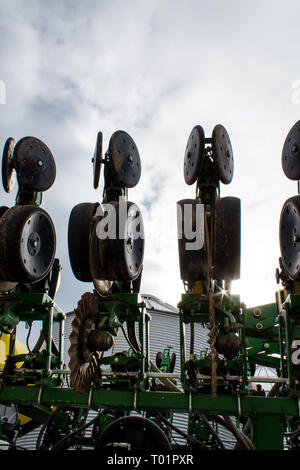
[156, 69]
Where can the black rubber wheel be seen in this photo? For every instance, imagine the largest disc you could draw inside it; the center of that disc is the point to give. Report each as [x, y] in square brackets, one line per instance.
[138, 432]
[125, 159]
[97, 160]
[290, 158]
[158, 359]
[27, 244]
[192, 263]
[172, 362]
[121, 251]
[222, 153]
[78, 239]
[35, 164]
[227, 238]
[289, 237]
[8, 170]
[194, 155]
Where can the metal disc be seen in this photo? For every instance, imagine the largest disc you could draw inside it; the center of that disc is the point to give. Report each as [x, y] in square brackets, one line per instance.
[192, 262]
[139, 432]
[78, 239]
[227, 238]
[83, 362]
[289, 237]
[222, 153]
[97, 159]
[125, 159]
[34, 164]
[27, 244]
[8, 170]
[194, 154]
[290, 158]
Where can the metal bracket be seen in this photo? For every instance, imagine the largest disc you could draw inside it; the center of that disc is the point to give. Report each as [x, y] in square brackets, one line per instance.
[40, 394]
[135, 399]
[90, 397]
[239, 406]
[190, 403]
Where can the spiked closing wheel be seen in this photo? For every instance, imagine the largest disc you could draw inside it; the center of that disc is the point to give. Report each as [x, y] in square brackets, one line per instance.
[97, 159]
[289, 237]
[290, 158]
[222, 153]
[194, 154]
[80, 223]
[119, 253]
[83, 362]
[8, 170]
[192, 255]
[125, 159]
[227, 238]
[35, 165]
[27, 244]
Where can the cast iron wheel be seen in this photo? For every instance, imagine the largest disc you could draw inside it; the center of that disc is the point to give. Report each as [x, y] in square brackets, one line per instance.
[222, 153]
[290, 158]
[192, 263]
[121, 251]
[80, 223]
[8, 170]
[35, 165]
[289, 237]
[194, 155]
[27, 244]
[227, 238]
[138, 432]
[97, 160]
[125, 159]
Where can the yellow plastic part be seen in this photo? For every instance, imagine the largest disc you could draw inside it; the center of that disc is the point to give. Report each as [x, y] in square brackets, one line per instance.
[20, 348]
[198, 287]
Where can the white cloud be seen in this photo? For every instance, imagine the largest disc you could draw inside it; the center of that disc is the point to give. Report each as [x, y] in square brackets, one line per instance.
[155, 69]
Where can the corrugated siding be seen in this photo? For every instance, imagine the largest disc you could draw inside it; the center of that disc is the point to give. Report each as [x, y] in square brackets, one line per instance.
[164, 331]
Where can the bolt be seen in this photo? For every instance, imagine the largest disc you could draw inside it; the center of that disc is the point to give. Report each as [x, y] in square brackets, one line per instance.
[40, 163]
[259, 326]
[294, 148]
[256, 313]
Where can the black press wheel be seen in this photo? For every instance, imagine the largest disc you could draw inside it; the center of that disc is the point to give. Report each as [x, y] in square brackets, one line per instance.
[137, 432]
[80, 222]
[35, 164]
[222, 153]
[289, 236]
[125, 159]
[27, 243]
[227, 238]
[194, 155]
[290, 158]
[192, 262]
[8, 170]
[120, 247]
